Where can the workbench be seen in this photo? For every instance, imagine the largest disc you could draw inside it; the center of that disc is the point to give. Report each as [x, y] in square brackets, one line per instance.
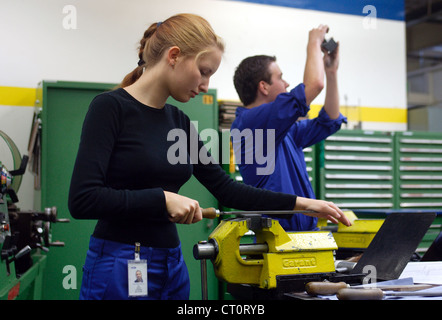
[390, 253]
[415, 272]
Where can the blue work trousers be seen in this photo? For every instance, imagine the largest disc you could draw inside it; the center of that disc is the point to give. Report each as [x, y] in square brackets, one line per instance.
[105, 274]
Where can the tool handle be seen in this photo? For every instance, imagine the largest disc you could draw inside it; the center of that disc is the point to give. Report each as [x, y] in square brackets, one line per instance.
[324, 288]
[360, 294]
[209, 213]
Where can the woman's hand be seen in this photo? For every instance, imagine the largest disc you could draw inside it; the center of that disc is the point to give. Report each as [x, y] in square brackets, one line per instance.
[182, 209]
[322, 209]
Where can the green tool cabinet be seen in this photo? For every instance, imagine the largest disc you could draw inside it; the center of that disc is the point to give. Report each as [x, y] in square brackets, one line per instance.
[419, 169]
[419, 176]
[357, 169]
[311, 164]
[383, 171]
[62, 106]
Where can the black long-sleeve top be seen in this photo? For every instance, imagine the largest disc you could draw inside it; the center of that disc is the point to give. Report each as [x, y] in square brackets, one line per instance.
[122, 169]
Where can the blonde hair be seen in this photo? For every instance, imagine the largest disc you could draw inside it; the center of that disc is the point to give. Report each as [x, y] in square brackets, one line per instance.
[191, 33]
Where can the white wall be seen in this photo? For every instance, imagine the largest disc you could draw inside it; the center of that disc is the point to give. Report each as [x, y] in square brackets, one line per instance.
[35, 45]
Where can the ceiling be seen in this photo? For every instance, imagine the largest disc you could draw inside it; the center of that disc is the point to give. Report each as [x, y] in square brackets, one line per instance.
[424, 33]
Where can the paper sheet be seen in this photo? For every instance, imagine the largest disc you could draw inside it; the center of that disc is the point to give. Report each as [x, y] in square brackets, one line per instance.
[424, 272]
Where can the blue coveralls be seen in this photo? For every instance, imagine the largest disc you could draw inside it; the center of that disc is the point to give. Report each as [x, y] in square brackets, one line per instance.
[286, 169]
[105, 273]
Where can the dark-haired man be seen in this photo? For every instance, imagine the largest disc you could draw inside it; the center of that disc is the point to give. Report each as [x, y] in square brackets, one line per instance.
[270, 115]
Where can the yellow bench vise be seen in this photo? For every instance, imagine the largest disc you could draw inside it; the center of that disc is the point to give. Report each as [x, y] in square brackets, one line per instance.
[274, 253]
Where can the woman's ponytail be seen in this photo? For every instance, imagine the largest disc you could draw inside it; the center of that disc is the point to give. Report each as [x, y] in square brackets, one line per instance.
[191, 33]
[133, 76]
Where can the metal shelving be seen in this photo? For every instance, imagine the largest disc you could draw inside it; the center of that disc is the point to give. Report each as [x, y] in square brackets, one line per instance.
[311, 163]
[357, 170]
[419, 170]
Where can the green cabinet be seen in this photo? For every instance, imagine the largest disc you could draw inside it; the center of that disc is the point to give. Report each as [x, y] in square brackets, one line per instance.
[357, 169]
[385, 170]
[419, 169]
[311, 165]
[62, 107]
[419, 176]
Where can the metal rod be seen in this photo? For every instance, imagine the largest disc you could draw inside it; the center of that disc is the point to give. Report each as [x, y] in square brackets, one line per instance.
[255, 248]
[197, 254]
[212, 213]
[204, 294]
[206, 250]
[275, 212]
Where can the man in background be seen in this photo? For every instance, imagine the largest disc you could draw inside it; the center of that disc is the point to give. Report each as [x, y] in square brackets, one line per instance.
[270, 108]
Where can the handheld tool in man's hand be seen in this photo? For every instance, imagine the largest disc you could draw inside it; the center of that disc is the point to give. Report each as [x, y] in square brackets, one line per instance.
[329, 45]
[212, 213]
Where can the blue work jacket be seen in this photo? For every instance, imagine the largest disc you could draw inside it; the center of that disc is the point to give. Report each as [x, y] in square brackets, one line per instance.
[268, 142]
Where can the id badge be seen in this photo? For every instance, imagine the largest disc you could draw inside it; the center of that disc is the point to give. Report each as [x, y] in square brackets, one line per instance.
[137, 275]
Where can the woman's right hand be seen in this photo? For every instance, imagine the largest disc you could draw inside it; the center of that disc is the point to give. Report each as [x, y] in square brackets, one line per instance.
[322, 209]
[182, 209]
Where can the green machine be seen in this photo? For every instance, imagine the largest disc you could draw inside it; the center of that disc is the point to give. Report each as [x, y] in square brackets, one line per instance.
[61, 107]
[9, 184]
[25, 236]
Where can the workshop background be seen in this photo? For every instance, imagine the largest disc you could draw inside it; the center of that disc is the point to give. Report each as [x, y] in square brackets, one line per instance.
[54, 54]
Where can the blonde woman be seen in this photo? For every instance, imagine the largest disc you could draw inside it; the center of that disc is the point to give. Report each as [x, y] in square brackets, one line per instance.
[123, 178]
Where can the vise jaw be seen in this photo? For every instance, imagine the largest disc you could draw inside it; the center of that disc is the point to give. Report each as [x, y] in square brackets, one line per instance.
[274, 253]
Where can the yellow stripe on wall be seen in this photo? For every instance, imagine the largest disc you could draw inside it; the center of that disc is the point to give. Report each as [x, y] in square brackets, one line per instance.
[369, 114]
[25, 97]
[16, 96]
